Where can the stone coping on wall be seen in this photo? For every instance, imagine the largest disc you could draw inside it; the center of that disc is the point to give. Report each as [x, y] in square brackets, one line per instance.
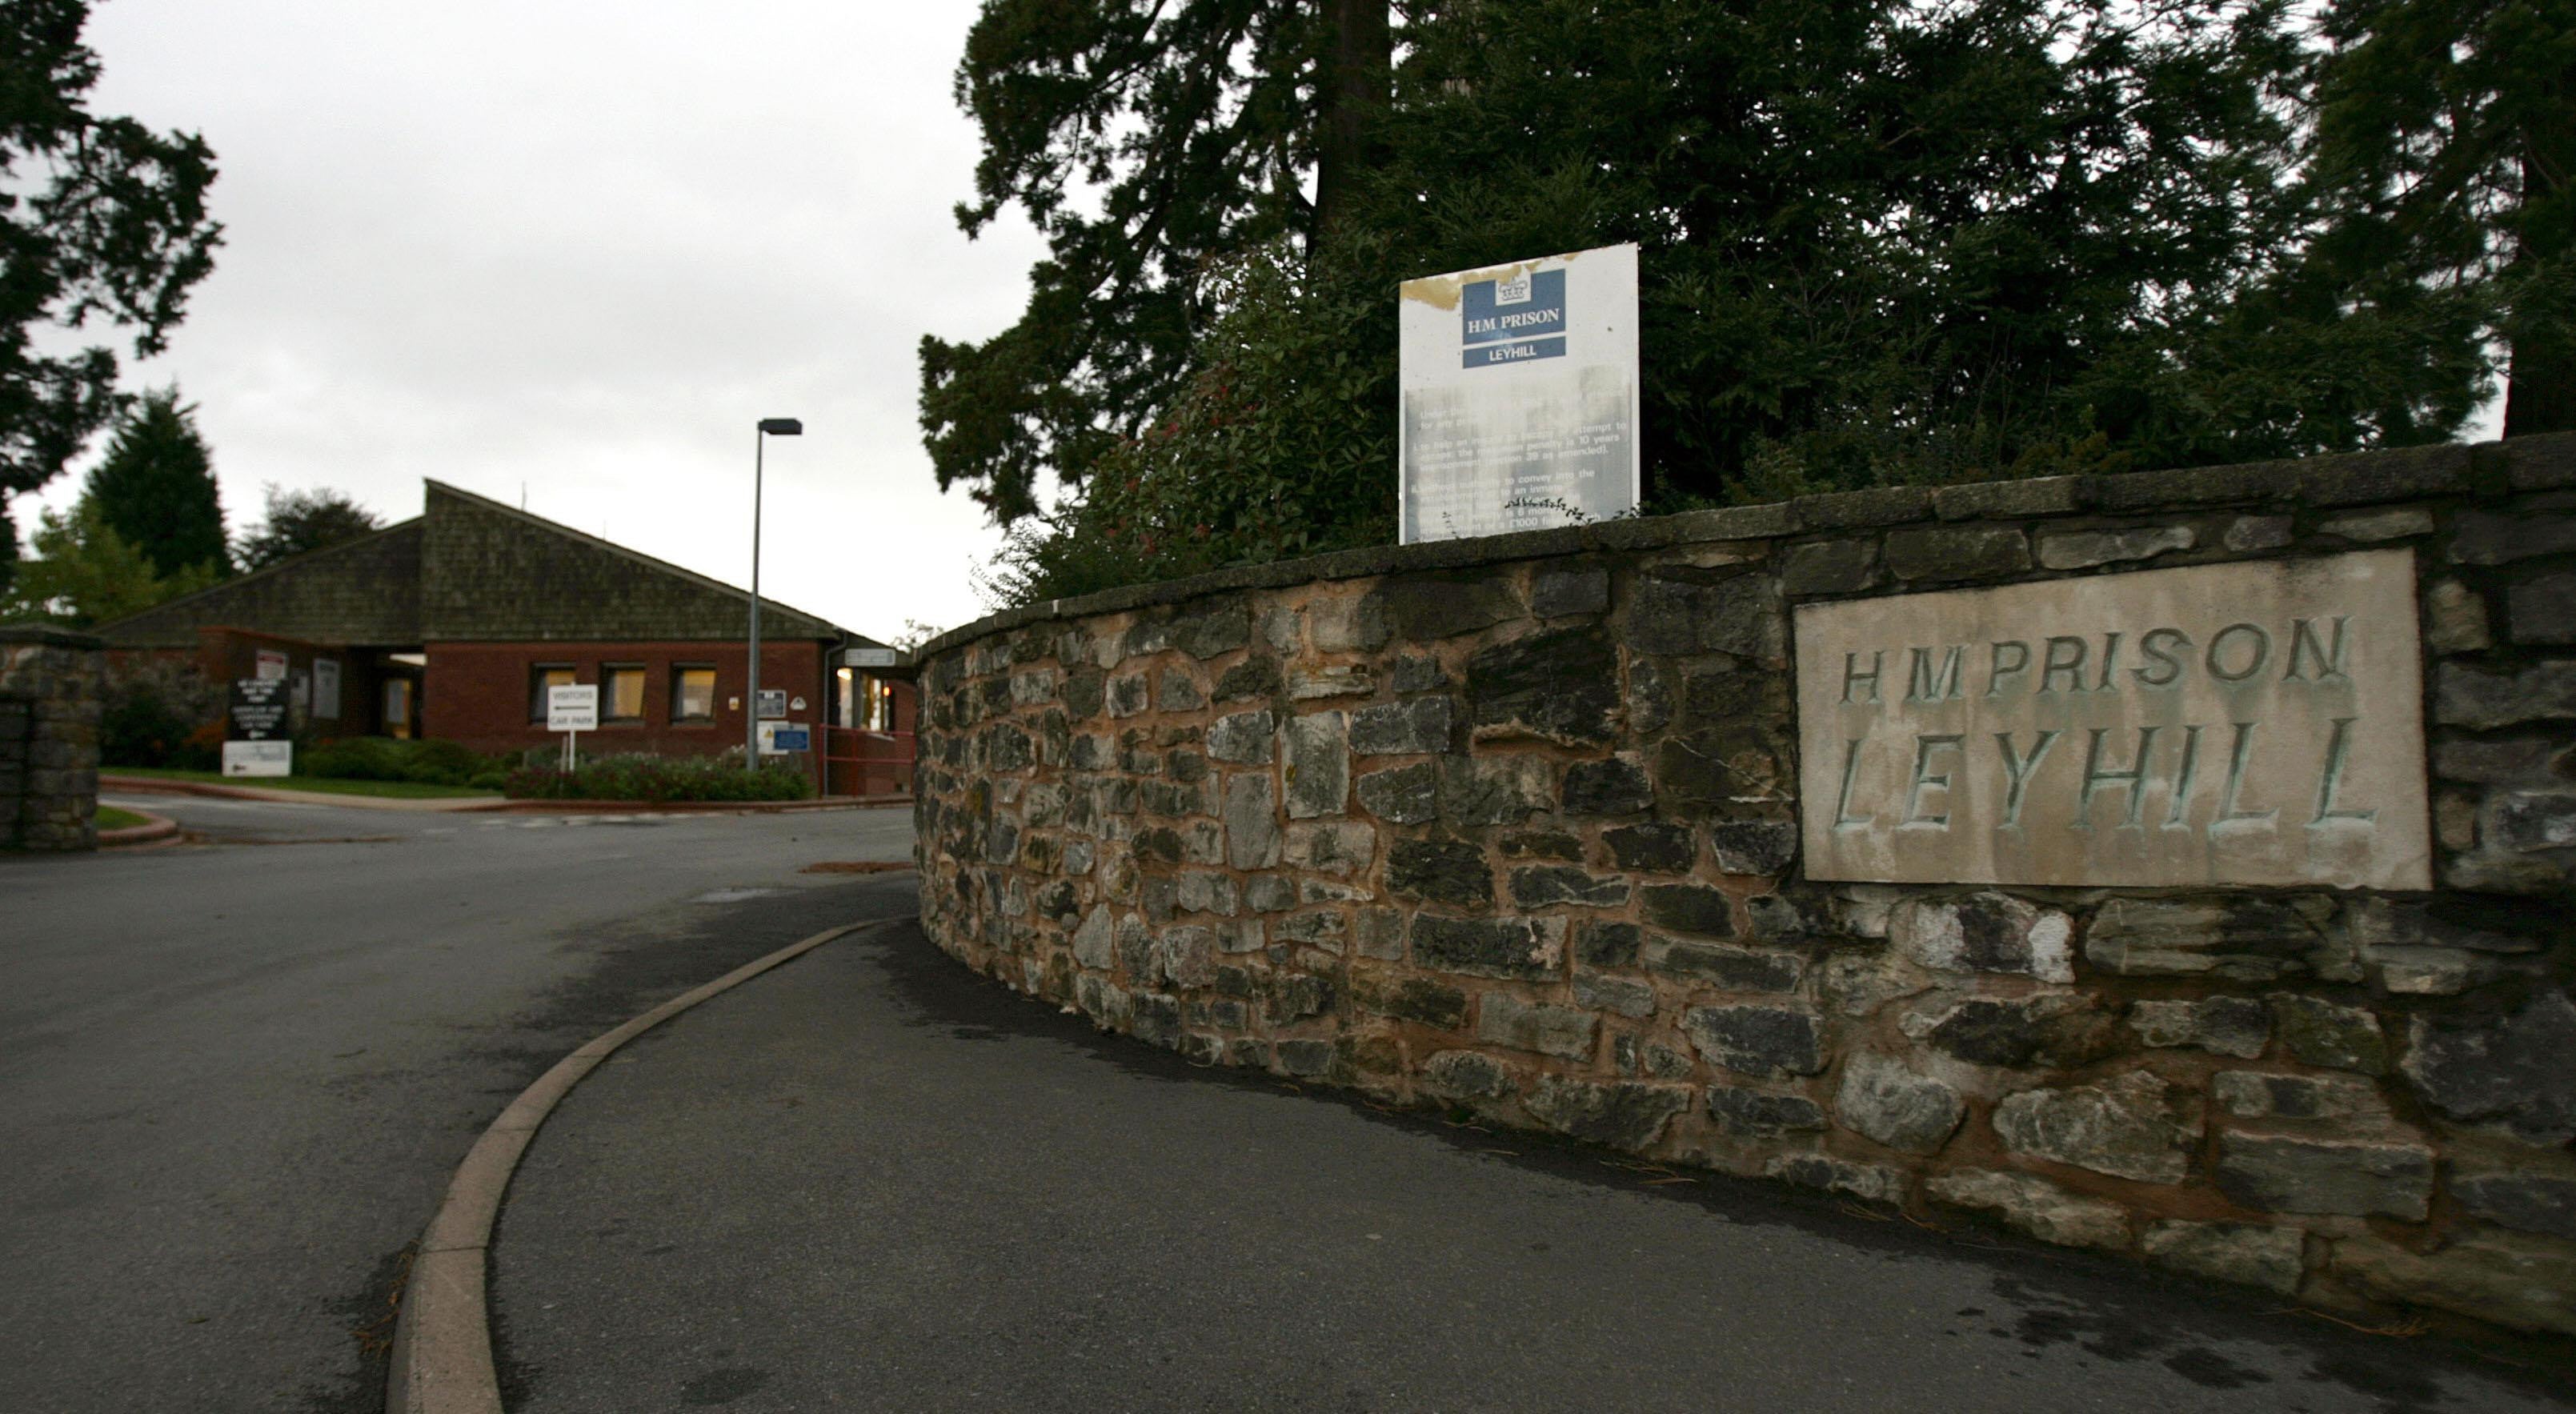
[2541, 463]
[1513, 825]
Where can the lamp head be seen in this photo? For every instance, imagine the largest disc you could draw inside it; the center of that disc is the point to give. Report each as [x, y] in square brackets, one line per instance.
[782, 427]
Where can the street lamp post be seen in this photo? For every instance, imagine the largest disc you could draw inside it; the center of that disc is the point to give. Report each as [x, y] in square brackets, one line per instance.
[769, 427]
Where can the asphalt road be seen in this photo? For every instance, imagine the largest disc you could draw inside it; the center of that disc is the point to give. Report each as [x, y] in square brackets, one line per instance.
[870, 1180]
[235, 1075]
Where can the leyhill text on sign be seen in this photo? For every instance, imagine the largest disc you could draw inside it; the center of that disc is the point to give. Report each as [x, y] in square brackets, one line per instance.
[2252, 723]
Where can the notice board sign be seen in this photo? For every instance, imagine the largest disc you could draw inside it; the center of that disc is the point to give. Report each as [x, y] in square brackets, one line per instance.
[572, 707]
[772, 704]
[2259, 723]
[780, 738]
[257, 728]
[1519, 396]
[258, 710]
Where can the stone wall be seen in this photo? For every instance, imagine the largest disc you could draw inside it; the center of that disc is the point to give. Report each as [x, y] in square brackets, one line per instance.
[50, 683]
[1510, 826]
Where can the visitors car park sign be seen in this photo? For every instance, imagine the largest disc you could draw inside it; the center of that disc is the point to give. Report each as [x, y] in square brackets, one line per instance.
[1519, 389]
[573, 707]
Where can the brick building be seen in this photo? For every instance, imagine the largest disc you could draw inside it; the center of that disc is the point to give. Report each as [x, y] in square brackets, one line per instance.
[453, 624]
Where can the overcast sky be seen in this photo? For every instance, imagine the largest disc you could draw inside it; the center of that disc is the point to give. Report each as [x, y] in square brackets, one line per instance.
[580, 248]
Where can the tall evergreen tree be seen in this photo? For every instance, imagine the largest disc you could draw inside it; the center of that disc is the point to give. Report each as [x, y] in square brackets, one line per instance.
[156, 486]
[2446, 133]
[301, 521]
[100, 219]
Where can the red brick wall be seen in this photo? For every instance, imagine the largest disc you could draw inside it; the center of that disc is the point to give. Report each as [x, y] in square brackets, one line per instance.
[478, 693]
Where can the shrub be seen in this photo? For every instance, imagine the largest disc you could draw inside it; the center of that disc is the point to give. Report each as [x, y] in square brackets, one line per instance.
[161, 712]
[381, 758]
[661, 778]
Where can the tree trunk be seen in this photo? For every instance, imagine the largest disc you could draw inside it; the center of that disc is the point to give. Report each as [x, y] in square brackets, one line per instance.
[1352, 89]
[2540, 376]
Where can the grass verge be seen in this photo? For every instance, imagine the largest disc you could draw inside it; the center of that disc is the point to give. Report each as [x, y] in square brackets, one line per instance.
[111, 818]
[395, 790]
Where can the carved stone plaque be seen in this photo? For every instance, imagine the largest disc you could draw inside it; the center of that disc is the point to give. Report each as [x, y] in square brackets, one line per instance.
[2253, 723]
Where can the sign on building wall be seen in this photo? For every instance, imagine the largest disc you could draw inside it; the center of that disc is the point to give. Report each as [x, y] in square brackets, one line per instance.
[2257, 723]
[1519, 402]
[268, 663]
[258, 728]
[780, 738]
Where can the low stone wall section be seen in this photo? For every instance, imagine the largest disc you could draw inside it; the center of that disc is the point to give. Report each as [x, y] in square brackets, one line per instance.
[1510, 826]
[50, 700]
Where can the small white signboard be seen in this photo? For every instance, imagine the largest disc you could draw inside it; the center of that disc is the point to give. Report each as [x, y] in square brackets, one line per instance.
[259, 758]
[573, 708]
[268, 663]
[870, 657]
[772, 704]
[1519, 406]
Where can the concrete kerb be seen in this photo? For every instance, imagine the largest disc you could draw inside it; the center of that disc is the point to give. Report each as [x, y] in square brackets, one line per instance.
[155, 829]
[109, 780]
[442, 1353]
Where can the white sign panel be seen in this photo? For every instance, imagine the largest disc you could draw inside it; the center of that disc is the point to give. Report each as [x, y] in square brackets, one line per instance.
[573, 708]
[870, 657]
[1519, 396]
[2253, 723]
[268, 663]
[772, 703]
[259, 758]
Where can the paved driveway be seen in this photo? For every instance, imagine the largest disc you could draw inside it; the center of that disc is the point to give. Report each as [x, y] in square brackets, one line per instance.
[234, 1076]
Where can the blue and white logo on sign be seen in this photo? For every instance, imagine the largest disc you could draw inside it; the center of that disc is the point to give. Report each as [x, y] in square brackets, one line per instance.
[1513, 321]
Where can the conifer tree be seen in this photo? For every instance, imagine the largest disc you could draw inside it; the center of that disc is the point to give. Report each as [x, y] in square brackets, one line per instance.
[2446, 136]
[156, 487]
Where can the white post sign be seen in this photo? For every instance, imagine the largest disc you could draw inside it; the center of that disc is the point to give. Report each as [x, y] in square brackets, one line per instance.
[1519, 396]
[572, 709]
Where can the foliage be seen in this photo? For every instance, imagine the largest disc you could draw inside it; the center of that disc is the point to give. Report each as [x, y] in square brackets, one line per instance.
[156, 487]
[2446, 141]
[1278, 447]
[85, 573]
[1902, 241]
[381, 758]
[100, 218]
[1142, 138]
[161, 712]
[661, 778]
[302, 521]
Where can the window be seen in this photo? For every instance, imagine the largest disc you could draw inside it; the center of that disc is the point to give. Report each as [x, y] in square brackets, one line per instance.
[621, 692]
[541, 677]
[876, 704]
[693, 693]
[398, 708]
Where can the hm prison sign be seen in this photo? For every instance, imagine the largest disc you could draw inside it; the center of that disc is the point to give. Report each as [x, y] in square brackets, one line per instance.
[2257, 723]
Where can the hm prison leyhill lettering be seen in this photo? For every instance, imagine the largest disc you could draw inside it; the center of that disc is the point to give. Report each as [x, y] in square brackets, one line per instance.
[2257, 723]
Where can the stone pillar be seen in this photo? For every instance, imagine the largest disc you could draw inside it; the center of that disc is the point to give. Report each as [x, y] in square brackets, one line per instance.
[51, 698]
